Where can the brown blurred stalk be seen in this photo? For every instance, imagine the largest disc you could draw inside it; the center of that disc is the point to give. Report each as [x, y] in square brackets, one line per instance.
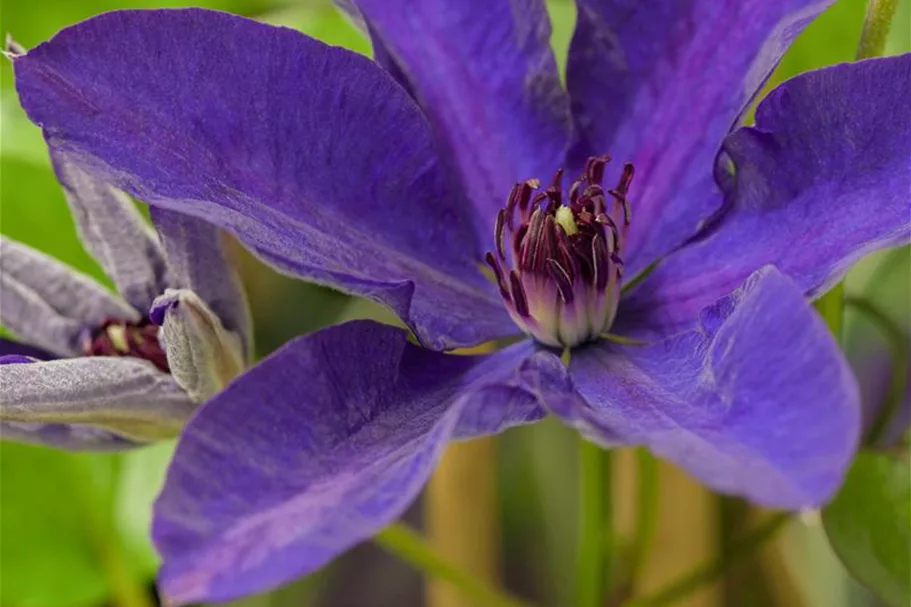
[462, 518]
[686, 533]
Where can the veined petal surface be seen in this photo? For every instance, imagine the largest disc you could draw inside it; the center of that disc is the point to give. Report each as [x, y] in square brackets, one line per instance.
[318, 447]
[823, 179]
[47, 304]
[198, 259]
[660, 83]
[758, 402]
[123, 396]
[485, 76]
[112, 230]
[311, 155]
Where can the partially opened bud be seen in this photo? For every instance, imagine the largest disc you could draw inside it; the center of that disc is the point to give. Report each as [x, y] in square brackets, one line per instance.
[202, 355]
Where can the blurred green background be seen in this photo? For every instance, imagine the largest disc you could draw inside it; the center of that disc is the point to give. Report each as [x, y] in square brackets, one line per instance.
[72, 527]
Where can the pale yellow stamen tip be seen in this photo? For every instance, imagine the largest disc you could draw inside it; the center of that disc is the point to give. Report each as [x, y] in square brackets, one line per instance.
[566, 220]
[118, 336]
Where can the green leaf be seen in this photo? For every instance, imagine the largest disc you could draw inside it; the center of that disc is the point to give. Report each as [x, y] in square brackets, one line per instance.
[48, 553]
[869, 525]
[74, 528]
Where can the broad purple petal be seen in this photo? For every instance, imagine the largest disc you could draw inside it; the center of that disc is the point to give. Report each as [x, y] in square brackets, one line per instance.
[822, 180]
[660, 84]
[49, 305]
[319, 162]
[484, 74]
[529, 375]
[314, 450]
[757, 402]
[197, 258]
[9, 347]
[124, 396]
[112, 230]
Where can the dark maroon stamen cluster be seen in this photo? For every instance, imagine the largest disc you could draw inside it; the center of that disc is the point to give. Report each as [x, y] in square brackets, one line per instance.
[571, 245]
[122, 338]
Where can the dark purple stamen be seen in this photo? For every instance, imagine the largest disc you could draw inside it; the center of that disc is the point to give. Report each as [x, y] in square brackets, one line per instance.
[561, 277]
[518, 294]
[563, 249]
[121, 338]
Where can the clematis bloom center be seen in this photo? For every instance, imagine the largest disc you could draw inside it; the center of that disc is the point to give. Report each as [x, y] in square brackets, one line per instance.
[558, 261]
[123, 338]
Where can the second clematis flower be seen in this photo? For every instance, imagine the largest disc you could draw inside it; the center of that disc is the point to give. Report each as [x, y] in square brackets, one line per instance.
[94, 370]
[429, 180]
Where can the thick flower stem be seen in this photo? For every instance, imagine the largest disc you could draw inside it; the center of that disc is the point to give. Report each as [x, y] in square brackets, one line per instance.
[407, 545]
[591, 555]
[126, 588]
[876, 28]
[713, 569]
[682, 521]
[461, 517]
[646, 512]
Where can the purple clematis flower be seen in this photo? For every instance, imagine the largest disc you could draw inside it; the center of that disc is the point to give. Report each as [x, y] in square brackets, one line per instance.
[98, 371]
[397, 180]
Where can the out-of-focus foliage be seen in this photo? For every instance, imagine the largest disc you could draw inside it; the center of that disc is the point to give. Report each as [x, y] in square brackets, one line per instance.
[869, 525]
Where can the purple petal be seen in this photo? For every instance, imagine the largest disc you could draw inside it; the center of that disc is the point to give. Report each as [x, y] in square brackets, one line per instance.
[69, 437]
[757, 402]
[822, 180]
[528, 376]
[124, 396]
[196, 256]
[320, 162]
[660, 84]
[114, 232]
[314, 450]
[9, 347]
[485, 75]
[49, 305]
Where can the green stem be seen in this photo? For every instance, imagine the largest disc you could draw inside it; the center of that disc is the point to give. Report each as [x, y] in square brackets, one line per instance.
[876, 28]
[127, 590]
[646, 512]
[831, 307]
[713, 569]
[410, 547]
[591, 555]
[897, 339]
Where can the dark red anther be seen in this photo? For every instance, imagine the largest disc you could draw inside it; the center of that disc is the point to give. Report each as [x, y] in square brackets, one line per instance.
[600, 262]
[499, 229]
[626, 178]
[511, 202]
[566, 258]
[594, 168]
[123, 338]
[555, 191]
[564, 282]
[518, 294]
[498, 273]
[532, 255]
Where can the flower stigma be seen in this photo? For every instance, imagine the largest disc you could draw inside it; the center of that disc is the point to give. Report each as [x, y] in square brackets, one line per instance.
[560, 276]
[123, 338]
